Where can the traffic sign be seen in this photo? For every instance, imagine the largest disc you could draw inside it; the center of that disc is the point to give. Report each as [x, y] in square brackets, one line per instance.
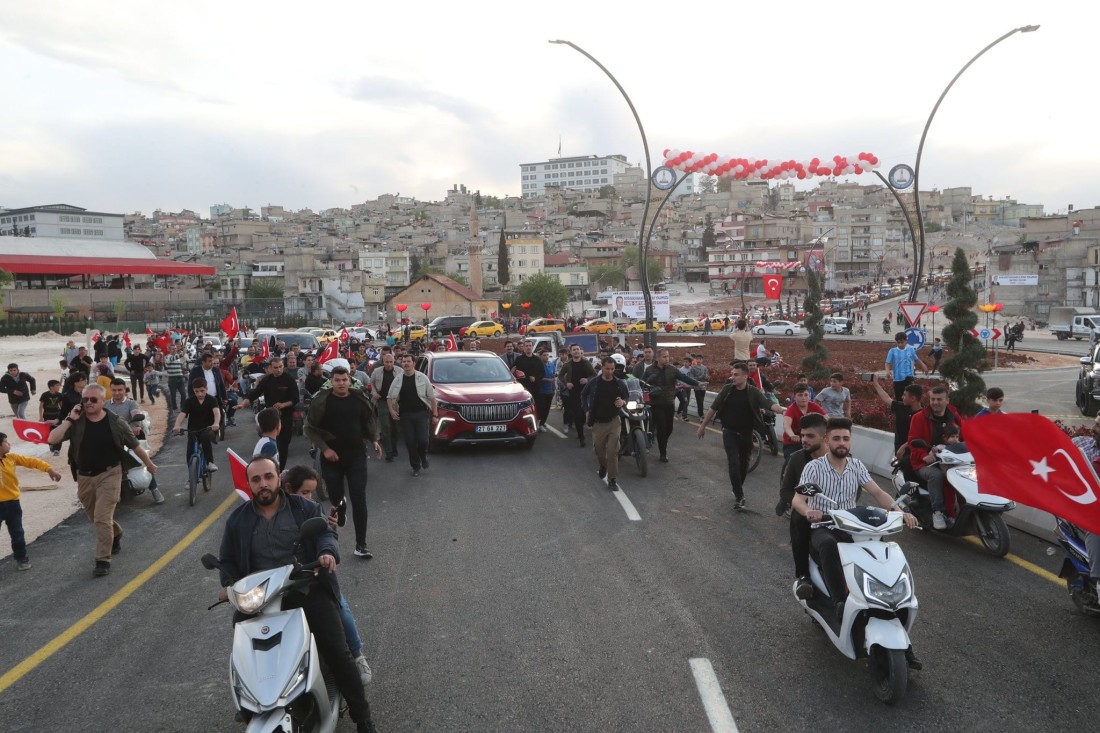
[985, 334]
[912, 311]
[914, 337]
[996, 333]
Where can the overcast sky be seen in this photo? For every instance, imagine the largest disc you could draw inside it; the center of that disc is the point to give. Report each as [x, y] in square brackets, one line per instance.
[131, 106]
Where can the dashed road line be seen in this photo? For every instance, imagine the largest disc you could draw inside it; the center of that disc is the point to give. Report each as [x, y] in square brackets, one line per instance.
[555, 431]
[714, 701]
[627, 505]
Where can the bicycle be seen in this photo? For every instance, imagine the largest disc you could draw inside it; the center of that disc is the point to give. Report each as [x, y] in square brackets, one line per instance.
[196, 468]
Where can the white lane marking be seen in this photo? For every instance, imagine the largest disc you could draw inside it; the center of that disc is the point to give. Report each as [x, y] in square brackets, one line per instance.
[714, 702]
[628, 507]
[555, 431]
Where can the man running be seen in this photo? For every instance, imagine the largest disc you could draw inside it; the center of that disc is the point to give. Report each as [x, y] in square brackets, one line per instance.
[601, 400]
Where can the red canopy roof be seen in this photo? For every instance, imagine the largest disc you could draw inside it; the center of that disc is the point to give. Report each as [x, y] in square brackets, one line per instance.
[47, 265]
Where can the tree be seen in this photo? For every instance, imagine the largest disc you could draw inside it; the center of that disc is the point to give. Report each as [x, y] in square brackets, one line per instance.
[503, 274]
[459, 278]
[414, 266]
[5, 277]
[57, 305]
[611, 276]
[967, 359]
[708, 184]
[120, 310]
[813, 364]
[264, 290]
[544, 292]
[654, 267]
[708, 235]
[725, 185]
[607, 191]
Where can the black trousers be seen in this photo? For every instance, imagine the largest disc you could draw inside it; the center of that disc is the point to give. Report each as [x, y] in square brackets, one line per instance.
[664, 415]
[350, 473]
[415, 426]
[700, 395]
[800, 544]
[323, 614]
[824, 541]
[572, 405]
[542, 406]
[738, 447]
[137, 386]
[286, 419]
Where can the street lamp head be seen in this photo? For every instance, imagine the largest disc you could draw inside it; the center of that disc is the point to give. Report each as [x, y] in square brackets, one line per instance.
[561, 42]
[1029, 29]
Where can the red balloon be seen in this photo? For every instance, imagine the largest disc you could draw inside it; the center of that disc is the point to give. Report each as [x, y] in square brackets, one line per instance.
[401, 307]
[801, 175]
[838, 170]
[858, 169]
[426, 306]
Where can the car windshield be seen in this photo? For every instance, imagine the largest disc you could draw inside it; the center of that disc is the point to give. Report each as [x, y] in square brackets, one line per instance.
[305, 341]
[469, 370]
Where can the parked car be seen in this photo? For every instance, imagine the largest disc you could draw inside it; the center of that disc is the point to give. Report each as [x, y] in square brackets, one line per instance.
[446, 325]
[479, 400]
[683, 324]
[780, 328]
[416, 332]
[545, 325]
[596, 325]
[717, 322]
[482, 329]
[307, 342]
[326, 335]
[638, 326]
[835, 324]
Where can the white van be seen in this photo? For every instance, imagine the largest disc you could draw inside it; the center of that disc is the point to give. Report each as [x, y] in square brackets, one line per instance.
[835, 324]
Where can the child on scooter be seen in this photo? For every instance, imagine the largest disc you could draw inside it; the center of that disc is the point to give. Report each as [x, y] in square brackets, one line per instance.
[302, 480]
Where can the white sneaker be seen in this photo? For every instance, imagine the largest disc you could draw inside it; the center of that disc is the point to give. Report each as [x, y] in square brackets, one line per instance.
[939, 521]
[212, 467]
[364, 669]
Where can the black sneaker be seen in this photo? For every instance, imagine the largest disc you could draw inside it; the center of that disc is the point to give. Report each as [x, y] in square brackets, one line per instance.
[612, 485]
[739, 504]
[363, 552]
[102, 567]
[581, 444]
[341, 514]
[416, 472]
[663, 459]
[116, 546]
[389, 459]
[424, 462]
[913, 660]
[781, 508]
[803, 589]
[601, 471]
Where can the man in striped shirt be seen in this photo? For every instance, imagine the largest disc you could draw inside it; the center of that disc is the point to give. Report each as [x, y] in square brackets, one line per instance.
[840, 477]
[173, 367]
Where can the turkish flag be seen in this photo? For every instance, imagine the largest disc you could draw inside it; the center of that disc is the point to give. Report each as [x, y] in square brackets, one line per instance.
[331, 351]
[148, 331]
[265, 353]
[237, 467]
[126, 339]
[95, 337]
[231, 325]
[344, 336]
[163, 342]
[32, 432]
[1027, 458]
[773, 286]
[452, 343]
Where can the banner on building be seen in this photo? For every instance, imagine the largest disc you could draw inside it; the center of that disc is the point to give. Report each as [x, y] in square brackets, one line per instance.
[1015, 279]
[631, 305]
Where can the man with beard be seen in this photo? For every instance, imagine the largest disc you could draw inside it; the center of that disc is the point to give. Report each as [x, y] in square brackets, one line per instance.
[280, 390]
[380, 381]
[261, 535]
[812, 429]
[575, 373]
[840, 477]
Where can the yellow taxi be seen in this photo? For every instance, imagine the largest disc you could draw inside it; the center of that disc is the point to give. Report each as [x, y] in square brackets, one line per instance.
[638, 326]
[482, 329]
[326, 335]
[684, 324]
[545, 325]
[596, 325]
[416, 333]
[717, 322]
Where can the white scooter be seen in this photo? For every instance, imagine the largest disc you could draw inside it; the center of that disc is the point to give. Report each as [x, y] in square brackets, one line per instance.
[275, 673]
[882, 602]
[977, 513]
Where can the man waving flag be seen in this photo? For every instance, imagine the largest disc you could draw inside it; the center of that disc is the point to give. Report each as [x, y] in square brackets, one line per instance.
[1027, 458]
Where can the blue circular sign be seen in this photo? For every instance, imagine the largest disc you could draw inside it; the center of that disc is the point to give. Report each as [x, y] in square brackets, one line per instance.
[985, 334]
[914, 337]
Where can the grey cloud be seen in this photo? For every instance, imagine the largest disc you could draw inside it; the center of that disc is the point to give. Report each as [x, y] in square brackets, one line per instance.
[389, 91]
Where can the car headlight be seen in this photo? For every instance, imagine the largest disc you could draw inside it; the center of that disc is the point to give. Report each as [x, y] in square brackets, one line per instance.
[252, 600]
[888, 596]
[526, 403]
[447, 405]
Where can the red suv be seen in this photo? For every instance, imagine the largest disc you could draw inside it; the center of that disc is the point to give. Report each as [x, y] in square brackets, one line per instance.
[480, 402]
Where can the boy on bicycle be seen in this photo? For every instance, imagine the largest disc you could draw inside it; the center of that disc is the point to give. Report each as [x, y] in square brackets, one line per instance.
[202, 412]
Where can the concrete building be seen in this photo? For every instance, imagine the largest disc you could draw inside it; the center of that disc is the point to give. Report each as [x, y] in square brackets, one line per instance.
[62, 220]
[447, 298]
[394, 268]
[583, 173]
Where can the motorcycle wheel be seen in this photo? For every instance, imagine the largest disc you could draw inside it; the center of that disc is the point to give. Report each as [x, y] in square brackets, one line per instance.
[993, 532]
[193, 479]
[1082, 597]
[890, 673]
[757, 450]
[639, 440]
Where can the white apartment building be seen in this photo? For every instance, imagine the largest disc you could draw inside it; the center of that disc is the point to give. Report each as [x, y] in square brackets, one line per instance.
[395, 268]
[583, 173]
[61, 220]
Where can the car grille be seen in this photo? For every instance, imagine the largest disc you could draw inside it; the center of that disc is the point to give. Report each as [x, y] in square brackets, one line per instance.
[504, 412]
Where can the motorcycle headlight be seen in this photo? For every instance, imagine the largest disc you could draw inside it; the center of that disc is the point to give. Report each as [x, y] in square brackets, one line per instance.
[969, 472]
[252, 600]
[632, 405]
[888, 596]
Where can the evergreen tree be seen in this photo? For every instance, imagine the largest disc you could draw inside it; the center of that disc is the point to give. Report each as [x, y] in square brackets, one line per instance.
[814, 362]
[503, 276]
[967, 359]
[708, 235]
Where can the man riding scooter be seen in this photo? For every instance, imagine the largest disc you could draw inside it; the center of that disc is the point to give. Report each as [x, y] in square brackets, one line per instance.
[1089, 445]
[925, 429]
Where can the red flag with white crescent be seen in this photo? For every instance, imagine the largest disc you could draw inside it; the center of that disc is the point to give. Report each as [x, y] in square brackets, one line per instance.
[344, 336]
[238, 468]
[32, 432]
[126, 339]
[265, 352]
[1027, 458]
[231, 325]
[773, 286]
[331, 351]
[148, 331]
[95, 337]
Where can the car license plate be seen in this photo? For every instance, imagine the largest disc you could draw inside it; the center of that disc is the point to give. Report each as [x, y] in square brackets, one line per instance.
[490, 428]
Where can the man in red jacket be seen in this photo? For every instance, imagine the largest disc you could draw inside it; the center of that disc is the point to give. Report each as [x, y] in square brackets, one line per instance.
[927, 425]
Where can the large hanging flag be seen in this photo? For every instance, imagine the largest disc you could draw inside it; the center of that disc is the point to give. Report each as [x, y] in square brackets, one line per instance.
[231, 325]
[773, 286]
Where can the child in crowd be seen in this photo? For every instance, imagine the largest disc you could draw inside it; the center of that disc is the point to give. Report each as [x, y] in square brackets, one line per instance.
[11, 511]
[51, 408]
[268, 425]
[153, 384]
[302, 480]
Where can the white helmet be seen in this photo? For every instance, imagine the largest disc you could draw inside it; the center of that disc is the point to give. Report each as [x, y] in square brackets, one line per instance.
[620, 360]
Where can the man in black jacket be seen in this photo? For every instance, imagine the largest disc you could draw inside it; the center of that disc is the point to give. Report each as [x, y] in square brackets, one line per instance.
[664, 377]
[279, 390]
[245, 551]
[601, 399]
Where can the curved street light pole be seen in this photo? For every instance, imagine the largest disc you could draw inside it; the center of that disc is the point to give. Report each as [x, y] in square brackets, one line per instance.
[909, 223]
[642, 239]
[918, 266]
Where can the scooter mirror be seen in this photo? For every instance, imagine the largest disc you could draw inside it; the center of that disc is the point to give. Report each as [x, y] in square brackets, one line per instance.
[808, 489]
[209, 562]
[313, 528]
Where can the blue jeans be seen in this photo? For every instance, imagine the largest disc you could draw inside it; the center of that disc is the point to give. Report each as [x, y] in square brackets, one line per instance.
[350, 470]
[351, 631]
[738, 447]
[12, 513]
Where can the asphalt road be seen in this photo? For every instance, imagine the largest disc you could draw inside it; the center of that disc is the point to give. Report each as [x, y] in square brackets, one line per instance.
[510, 592]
